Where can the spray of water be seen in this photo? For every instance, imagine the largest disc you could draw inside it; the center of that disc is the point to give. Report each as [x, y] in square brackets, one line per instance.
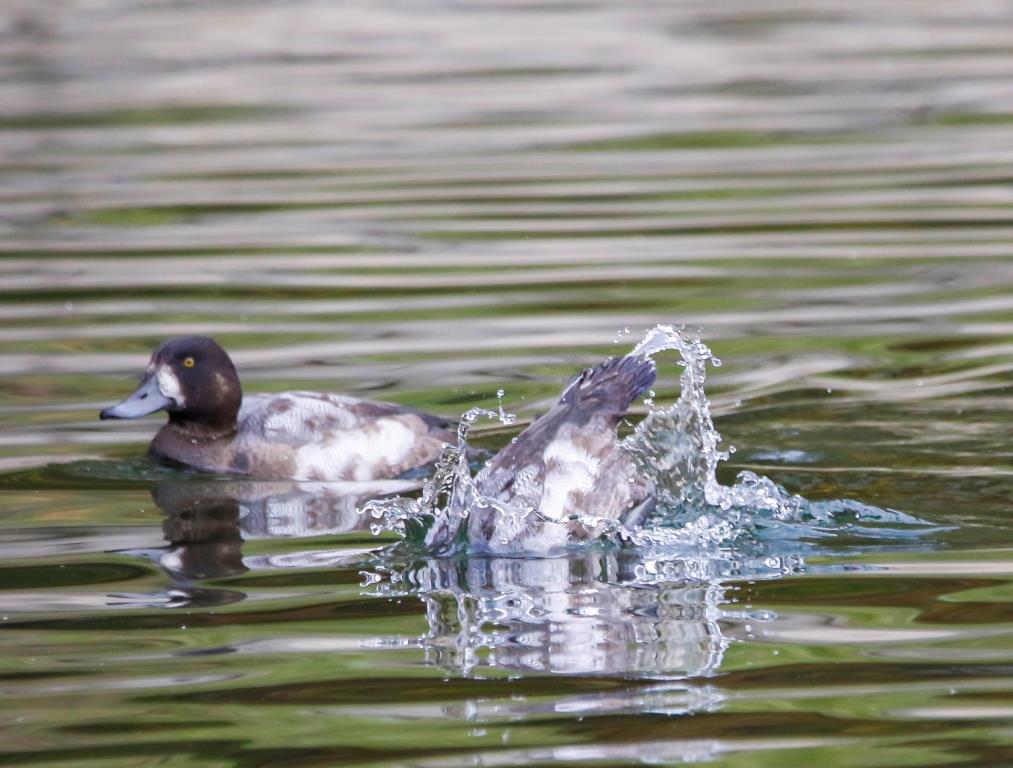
[676, 447]
[679, 449]
[439, 509]
[653, 599]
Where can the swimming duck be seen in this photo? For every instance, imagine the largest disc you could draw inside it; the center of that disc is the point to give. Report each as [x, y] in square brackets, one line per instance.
[566, 465]
[290, 435]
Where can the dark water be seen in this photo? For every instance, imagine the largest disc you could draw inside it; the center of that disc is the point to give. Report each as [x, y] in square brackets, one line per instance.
[427, 202]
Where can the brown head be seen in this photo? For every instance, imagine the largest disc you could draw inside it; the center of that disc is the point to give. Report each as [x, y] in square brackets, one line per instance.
[193, 379]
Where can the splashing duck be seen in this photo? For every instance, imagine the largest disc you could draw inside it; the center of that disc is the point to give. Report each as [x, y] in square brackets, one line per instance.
[564, 479]
[290, 435]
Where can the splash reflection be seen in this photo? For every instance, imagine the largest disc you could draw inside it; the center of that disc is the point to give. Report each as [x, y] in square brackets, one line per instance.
[597, 611]
[606, 613]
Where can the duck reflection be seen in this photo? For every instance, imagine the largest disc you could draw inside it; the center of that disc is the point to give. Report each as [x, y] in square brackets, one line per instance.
[610, 613]
[206, 523]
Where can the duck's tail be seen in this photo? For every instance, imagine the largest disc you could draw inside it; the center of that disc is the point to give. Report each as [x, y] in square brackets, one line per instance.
[611, 386]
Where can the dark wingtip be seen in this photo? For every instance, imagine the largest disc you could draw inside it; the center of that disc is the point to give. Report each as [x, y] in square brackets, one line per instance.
[613, 385]
[104, 414]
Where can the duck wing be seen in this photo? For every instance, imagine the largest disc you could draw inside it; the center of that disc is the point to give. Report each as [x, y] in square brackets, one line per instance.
[569, 462]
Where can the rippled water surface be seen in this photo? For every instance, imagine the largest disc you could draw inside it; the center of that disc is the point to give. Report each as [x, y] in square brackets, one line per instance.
[427, 202]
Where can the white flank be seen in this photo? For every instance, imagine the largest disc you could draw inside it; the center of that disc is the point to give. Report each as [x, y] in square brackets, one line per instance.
[356, 454]
[169, 386]
[568, 468]
[285, 423]
[303, 410]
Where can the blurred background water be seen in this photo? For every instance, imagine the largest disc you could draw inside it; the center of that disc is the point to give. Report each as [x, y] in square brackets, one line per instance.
[426, 202]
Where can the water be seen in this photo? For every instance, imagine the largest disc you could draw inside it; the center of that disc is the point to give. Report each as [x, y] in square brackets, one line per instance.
[429, 203]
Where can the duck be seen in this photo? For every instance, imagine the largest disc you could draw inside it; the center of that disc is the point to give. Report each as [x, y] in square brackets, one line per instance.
[311, 436]
[538, 494]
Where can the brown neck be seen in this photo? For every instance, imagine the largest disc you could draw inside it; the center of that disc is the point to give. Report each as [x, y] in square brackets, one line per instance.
[201, 431]
[201, 449]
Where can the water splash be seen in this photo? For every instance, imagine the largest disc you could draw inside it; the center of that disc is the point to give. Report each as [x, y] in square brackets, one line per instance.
[588, 613]
[678, 449]
[435, 520]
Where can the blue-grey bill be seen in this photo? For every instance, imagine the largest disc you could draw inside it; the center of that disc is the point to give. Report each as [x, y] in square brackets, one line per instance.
[147, 399]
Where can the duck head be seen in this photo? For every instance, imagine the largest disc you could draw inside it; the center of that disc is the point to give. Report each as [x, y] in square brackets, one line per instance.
[193, 379]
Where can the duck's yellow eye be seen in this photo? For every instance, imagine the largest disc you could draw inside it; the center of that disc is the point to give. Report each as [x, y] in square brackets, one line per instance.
[189, 362]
